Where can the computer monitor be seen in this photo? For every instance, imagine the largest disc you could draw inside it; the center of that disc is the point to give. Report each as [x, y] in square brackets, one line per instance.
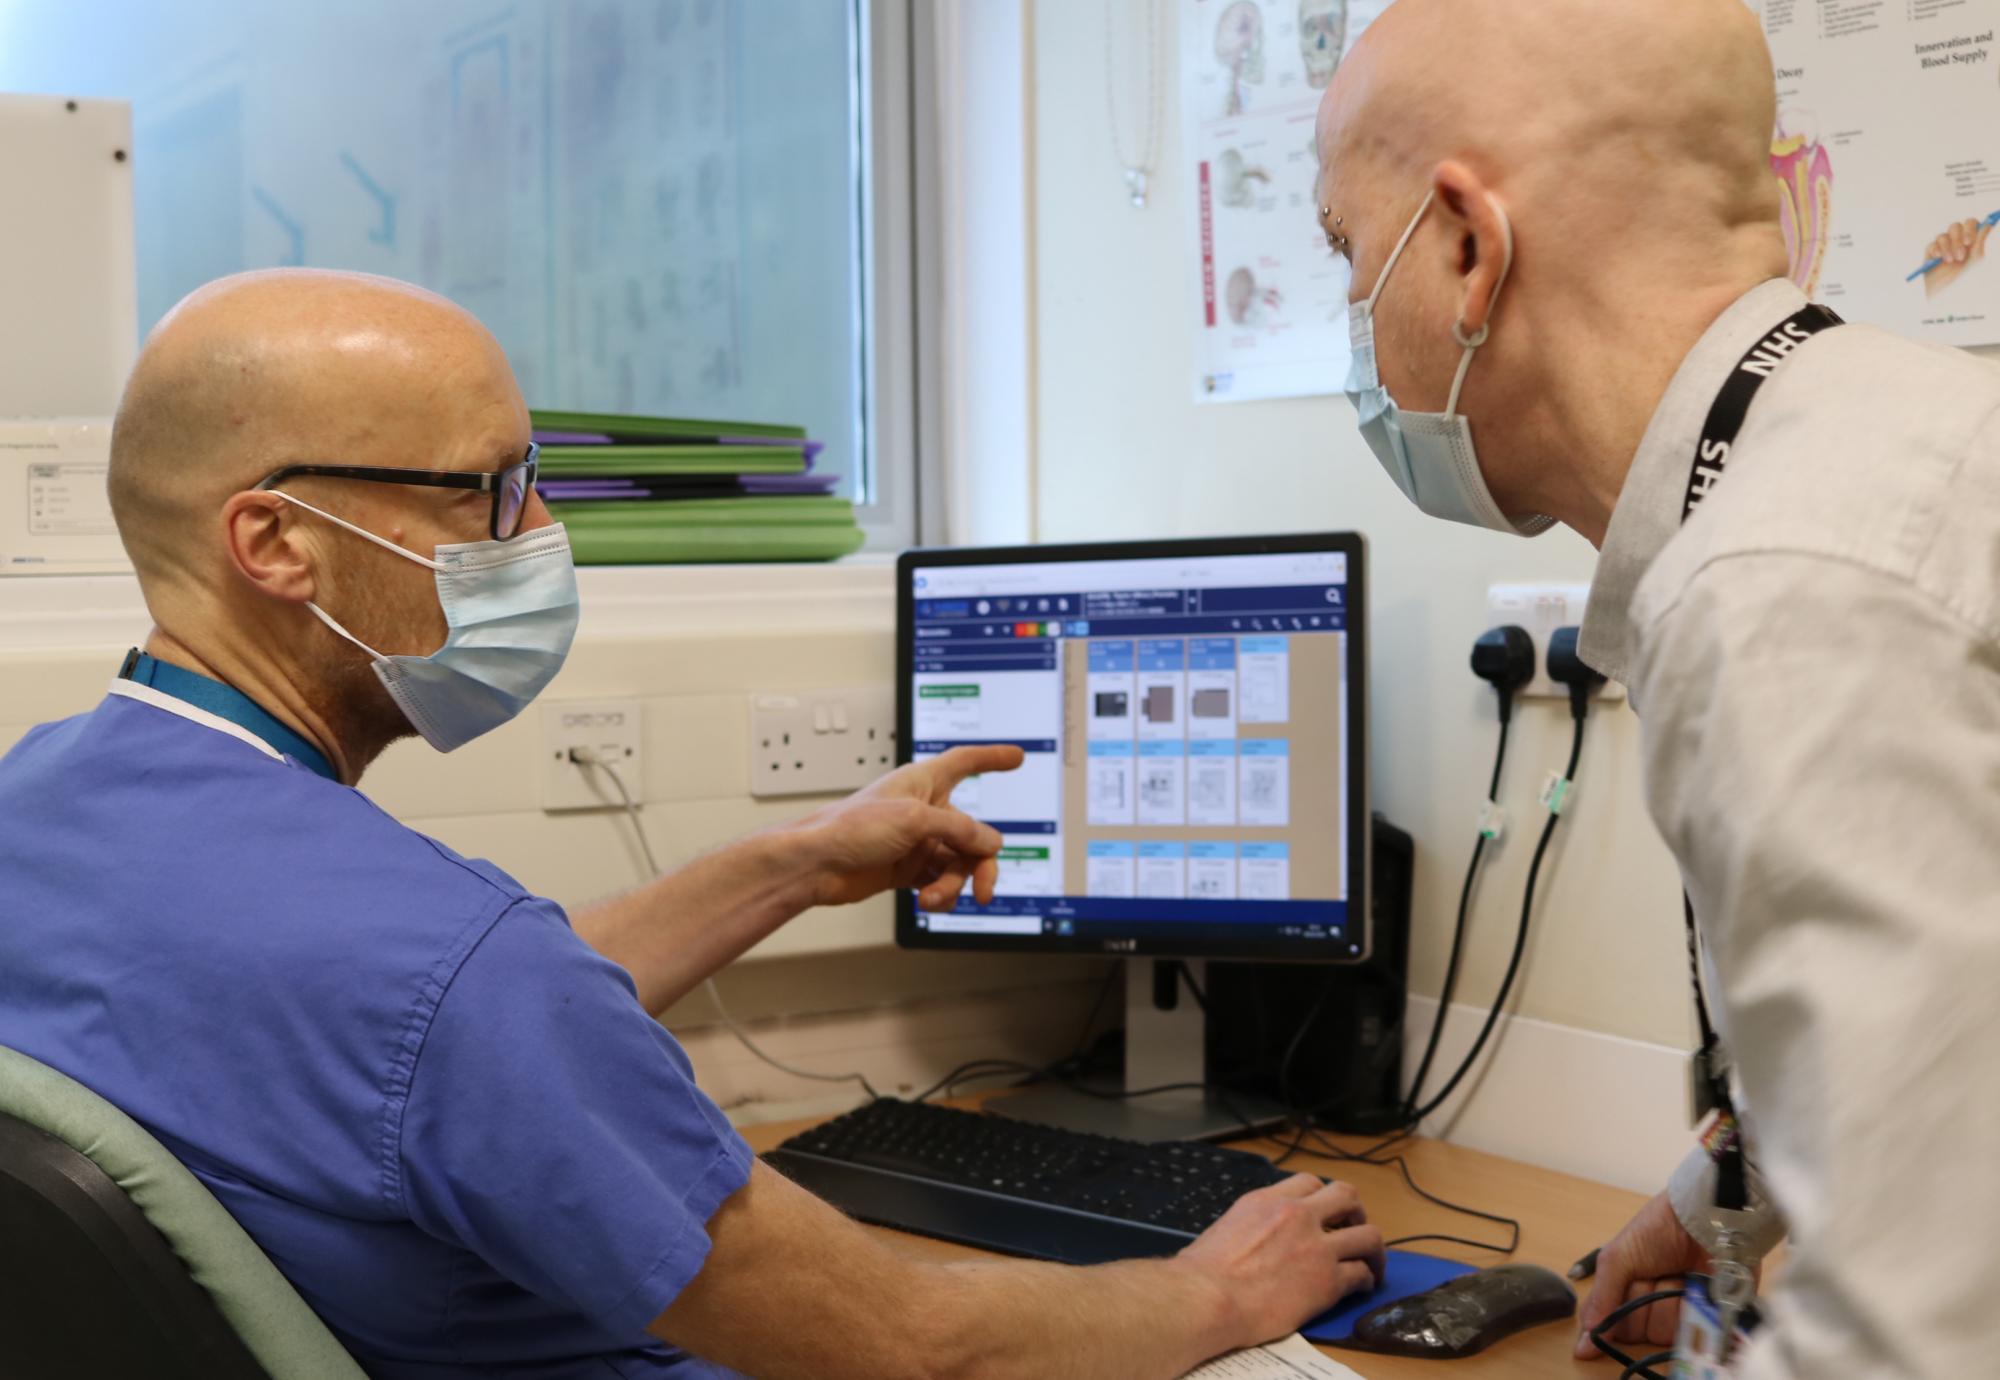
[1194, 719]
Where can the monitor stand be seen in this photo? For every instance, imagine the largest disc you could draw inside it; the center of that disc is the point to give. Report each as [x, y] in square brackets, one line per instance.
[1165, 1033]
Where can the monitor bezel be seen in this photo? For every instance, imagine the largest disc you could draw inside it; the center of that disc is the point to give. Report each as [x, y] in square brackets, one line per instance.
[1270, 949]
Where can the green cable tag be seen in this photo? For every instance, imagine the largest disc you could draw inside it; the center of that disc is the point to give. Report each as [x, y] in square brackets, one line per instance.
[1492, 820]
[1555, 792]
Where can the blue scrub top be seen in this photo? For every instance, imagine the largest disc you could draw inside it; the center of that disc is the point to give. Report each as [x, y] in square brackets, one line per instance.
[445, 1117]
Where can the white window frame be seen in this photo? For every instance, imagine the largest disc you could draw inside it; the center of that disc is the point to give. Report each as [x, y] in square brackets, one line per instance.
[953, 366]
[896, 386]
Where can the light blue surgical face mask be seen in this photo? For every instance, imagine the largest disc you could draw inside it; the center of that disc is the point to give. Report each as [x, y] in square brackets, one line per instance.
[1428, 454]
[510, 610]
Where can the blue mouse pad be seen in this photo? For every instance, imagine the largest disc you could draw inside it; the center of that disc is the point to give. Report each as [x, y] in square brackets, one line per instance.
[1409, 1273]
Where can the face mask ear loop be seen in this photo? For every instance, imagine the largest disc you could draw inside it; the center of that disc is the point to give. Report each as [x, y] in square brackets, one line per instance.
[327, 619]
[382, 542]
[1397, 252]
[1472, 342]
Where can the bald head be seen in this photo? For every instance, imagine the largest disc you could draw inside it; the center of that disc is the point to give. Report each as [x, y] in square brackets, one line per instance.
[1646, 118]
[1605, 162]
[265, 369]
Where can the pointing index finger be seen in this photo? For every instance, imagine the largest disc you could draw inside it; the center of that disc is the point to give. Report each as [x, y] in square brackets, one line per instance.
[959, 831]
[961, 762]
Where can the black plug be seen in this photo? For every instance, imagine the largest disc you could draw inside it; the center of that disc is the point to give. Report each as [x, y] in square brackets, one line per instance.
[1505, 659]
[1567, 668]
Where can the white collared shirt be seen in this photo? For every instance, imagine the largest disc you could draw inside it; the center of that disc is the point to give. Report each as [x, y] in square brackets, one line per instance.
[1816, 660]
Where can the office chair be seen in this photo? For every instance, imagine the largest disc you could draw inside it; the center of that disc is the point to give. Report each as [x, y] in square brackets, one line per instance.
[114, 1260]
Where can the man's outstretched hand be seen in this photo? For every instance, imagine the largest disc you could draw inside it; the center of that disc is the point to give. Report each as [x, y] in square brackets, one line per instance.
[1650, 1254]
[903, 832]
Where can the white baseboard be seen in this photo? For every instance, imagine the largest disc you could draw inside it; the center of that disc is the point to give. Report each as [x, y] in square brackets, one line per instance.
[902, 1049]
[1599, 1106]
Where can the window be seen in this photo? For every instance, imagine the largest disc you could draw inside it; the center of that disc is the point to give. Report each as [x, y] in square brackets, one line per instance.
[659, 206]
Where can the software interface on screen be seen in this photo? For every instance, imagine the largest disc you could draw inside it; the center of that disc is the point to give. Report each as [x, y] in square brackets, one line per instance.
[1185, 725]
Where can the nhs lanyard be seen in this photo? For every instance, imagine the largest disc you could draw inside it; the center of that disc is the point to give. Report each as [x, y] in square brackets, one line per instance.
[1711, 458]
[1733, 1287]
[1739, 390]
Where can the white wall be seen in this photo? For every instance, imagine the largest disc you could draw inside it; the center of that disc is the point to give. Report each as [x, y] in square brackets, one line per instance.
[1123, 450]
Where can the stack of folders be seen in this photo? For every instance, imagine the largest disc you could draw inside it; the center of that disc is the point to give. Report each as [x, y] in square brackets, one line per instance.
[654, 490]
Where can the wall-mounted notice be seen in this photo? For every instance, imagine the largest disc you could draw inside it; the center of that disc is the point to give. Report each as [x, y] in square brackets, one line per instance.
[55, 516]
[1270, 300]
[1887, 155]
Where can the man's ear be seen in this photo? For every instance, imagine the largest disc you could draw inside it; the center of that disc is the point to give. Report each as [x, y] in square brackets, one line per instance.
[268, 545]
[1484, 243]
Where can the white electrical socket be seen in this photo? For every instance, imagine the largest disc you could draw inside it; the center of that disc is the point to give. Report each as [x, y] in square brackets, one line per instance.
[821, 742]
[610, 728]
[1541, 609]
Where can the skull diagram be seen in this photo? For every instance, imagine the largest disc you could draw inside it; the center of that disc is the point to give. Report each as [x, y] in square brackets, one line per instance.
[1322, 38]
[1235, 177]
[1247, 303]
[1239, 46]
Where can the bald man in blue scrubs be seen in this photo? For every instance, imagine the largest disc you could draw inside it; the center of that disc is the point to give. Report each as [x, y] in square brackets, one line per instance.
[439, 1103]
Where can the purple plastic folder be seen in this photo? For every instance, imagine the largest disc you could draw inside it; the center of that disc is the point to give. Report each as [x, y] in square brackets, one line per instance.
[789, 483]
[597, 438]
[721, 486]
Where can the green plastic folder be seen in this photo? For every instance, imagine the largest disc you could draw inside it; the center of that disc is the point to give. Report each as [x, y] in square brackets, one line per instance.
[627, 532]
[638, 461]
[622, 427]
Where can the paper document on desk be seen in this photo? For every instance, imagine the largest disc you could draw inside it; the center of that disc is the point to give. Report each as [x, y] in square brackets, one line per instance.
[1295, 1358]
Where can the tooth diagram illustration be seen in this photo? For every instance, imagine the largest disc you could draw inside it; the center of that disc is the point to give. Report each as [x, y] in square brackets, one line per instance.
[1805, 202]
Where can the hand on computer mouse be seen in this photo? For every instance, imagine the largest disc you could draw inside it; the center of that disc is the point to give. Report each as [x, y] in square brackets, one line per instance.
[1283, 1253]
[1651, 1253]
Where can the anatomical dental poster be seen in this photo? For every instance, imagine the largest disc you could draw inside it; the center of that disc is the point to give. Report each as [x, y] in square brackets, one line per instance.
[1885, 152]
[1272, 299]
[1887, 155]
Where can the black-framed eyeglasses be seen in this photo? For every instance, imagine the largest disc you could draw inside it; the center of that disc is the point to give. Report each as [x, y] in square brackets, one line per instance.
[510, 485]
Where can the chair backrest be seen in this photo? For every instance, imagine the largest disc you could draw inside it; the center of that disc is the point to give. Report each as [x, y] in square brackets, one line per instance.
[114, 1260]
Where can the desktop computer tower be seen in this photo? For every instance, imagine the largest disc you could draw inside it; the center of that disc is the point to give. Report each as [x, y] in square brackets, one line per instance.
[1324, 1037]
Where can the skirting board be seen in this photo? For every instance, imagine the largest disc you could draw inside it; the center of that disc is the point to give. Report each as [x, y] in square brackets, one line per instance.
[902, 1048]
[1599, 1106]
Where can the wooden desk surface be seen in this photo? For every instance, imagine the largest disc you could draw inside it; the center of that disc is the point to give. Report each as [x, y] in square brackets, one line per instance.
[1562, 1218]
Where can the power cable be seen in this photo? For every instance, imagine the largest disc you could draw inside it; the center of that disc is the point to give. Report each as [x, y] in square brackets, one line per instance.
[1504, 657]
[586, 757]
[1416, 1115]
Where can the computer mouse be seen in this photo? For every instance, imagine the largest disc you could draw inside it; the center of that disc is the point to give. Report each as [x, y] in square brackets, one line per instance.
[1467, 1314]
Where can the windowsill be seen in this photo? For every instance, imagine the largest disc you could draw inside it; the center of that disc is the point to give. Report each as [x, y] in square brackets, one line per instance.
[56, 612]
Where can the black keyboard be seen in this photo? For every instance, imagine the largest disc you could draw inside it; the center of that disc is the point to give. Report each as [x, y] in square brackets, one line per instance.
[1018, 1188]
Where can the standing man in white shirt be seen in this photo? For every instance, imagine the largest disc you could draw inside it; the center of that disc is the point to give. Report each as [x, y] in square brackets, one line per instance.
[1563, 228]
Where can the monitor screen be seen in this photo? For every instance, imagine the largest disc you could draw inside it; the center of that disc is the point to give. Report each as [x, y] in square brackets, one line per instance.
[1191, 714]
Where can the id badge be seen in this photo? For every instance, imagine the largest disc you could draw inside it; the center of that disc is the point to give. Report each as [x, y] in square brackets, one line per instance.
[1702, 1077]
[1698, 1349]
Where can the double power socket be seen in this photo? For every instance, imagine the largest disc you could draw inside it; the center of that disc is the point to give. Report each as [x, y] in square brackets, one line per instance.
[829, 742]
[1541, 609]
[818, 742]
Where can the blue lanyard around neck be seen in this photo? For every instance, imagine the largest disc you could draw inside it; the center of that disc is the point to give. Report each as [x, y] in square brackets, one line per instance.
[225, 702]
